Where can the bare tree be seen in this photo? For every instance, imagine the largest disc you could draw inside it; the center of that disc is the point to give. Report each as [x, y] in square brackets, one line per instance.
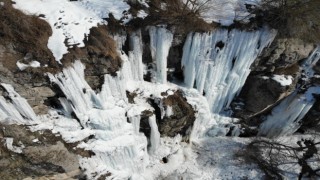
[183, 14]
[271, 156]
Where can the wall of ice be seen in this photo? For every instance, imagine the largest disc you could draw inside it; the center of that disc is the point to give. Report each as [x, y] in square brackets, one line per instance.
[218, 63]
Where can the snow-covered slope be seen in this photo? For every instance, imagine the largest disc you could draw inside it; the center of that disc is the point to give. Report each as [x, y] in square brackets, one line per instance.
[71, 20]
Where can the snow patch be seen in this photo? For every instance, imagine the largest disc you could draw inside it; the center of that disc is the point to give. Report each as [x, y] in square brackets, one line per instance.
[142, 14]
[283, 79]
[33, 64]
[11, 147]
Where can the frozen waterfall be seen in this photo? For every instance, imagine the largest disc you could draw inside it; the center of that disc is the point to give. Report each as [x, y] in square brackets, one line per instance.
[218, 63]
[160, 43]
[285, 118]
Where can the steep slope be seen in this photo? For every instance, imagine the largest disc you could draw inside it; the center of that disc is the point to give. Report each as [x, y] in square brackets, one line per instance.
[106, 105]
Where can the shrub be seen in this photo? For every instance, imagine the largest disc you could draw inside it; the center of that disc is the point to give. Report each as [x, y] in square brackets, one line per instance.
[294, 18]
[272, 155]
[183, 14]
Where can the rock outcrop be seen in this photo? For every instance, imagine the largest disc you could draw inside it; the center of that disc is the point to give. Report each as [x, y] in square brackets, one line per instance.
[24, 154]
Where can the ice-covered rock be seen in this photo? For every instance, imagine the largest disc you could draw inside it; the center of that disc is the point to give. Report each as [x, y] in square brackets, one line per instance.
[285, 118]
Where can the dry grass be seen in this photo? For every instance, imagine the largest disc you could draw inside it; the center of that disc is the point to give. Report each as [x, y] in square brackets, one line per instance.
[175, 15]
[30, 34]
[26, 34]
[99, 53]
[294, 18]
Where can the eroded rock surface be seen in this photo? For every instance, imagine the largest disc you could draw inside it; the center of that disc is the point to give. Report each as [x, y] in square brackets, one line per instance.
[38, 154]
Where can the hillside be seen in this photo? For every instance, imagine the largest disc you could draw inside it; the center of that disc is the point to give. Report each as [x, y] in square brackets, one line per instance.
[157, 89]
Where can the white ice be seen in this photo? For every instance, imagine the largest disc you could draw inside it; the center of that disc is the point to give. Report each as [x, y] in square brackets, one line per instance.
[218, 63]
[16, 110]
[160, 43]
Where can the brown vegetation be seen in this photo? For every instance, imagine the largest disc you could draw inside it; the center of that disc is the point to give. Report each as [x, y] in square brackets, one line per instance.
[270, 155]
[21, 35]
[24, 38]
[99, 54]
[294, 18]
[175, 14]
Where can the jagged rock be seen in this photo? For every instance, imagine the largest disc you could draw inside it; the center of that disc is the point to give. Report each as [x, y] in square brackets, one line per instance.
[56, 154]
[312, 118]
[173, 115]
[282, 53]
[282, 58]
[67, 176]
[260, 93]
[43, 153]
[178, 115]
[144, 122]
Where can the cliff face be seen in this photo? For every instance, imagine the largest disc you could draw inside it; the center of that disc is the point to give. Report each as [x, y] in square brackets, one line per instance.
[134, 95]
[25, 57]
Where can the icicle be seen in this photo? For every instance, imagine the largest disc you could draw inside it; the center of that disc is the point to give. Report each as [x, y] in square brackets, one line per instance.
[218, 63]
[135, 56]
[285, 118]
[134, 117]
[18, 109]
[72, 83]
[155, 135]
[160, 43]
[132, 66]
[113, 87]
[311, 61]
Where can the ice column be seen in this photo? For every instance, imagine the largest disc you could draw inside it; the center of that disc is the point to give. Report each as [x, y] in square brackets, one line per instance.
[132, 66]
[155, 135]
[218, 63]
[135, 56]
[160, 43]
